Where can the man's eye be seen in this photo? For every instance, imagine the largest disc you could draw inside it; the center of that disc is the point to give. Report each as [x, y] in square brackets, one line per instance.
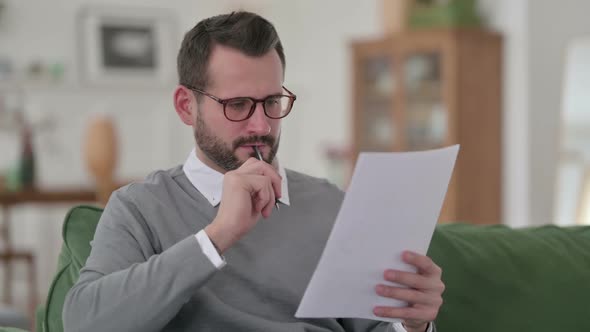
[239, 105]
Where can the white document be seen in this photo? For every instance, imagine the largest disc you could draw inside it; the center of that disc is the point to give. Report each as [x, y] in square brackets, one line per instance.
[392, 204]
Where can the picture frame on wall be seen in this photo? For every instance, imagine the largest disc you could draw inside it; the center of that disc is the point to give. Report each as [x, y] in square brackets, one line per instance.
[127, 46]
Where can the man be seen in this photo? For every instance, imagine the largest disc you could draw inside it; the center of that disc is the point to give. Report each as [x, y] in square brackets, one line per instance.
[202, 247]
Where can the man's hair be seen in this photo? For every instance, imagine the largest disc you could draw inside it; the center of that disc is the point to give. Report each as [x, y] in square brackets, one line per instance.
[247, 32]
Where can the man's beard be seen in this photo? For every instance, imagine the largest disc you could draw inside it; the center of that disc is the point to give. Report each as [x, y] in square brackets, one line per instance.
[222, 155]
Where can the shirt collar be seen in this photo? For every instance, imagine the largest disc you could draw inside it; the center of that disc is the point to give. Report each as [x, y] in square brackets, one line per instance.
[209, 182]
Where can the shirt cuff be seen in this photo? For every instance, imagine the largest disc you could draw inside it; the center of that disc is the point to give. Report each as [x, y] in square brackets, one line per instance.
[209, 249]
[399, 327]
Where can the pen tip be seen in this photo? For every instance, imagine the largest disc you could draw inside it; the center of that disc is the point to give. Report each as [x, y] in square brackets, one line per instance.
[257, 152]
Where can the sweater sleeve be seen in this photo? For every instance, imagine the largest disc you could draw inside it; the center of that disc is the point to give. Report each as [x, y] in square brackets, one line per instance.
[127, 286]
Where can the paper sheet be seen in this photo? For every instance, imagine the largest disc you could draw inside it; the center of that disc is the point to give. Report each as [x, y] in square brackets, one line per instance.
[392, 204]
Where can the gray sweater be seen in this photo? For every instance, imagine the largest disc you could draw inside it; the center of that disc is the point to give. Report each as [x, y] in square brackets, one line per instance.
[147, 272]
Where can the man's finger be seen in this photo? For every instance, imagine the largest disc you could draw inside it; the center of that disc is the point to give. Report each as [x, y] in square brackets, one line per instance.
[414, 280]
[409, 295]
[422, 262]
[259, 167]
[262, 193]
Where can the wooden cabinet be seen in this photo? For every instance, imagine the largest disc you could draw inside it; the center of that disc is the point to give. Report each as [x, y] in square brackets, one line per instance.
[432, 88]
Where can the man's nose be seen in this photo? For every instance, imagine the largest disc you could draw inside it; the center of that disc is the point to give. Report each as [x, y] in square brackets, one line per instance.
[258, 123]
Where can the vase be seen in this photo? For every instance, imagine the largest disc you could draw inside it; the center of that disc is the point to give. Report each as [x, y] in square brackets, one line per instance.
[27, 160]
[101, 154]
[394, 15]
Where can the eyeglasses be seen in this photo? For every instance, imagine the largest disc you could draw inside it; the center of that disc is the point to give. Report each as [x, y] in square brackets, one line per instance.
[241, 108]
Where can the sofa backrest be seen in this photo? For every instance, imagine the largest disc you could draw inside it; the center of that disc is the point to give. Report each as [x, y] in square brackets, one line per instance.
[502, 279]
[497, 278]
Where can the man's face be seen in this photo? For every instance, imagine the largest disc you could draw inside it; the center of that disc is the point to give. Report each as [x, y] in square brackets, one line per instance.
[224, 144]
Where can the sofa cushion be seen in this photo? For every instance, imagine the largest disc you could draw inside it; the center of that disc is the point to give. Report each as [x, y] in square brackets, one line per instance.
[502, 279]
[77, 232]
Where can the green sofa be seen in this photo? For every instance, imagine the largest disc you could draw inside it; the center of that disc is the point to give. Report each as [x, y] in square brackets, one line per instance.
[497, 278]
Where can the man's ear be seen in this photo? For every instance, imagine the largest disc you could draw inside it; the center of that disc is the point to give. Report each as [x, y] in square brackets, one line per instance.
[185, 104]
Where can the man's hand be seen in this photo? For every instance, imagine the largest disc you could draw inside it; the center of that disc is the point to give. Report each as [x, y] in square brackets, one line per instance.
[248, 192]
[424, 292]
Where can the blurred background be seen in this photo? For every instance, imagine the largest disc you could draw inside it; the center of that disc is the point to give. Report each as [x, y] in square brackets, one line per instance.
[86, 105]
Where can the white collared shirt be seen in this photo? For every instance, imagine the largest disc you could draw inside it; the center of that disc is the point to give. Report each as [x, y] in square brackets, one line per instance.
[209, 183]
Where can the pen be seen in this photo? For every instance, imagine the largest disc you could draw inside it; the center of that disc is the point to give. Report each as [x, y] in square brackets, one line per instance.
[259, 157]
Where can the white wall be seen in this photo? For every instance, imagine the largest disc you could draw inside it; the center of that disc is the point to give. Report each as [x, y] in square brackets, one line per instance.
[552, 25]
[535, 36]
[510, 18]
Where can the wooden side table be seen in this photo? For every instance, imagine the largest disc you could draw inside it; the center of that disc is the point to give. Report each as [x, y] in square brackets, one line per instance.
[8, 254]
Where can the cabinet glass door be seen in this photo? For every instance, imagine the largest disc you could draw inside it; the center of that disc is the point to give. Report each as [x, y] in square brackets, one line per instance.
[377, 132]
[425, 112]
